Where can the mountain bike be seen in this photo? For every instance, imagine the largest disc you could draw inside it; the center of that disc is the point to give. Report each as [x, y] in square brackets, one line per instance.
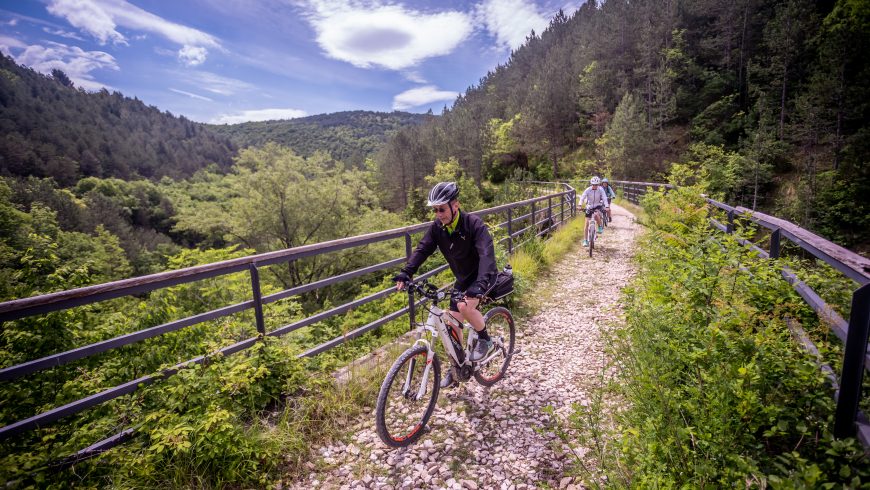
[591, 231]
[410, 390]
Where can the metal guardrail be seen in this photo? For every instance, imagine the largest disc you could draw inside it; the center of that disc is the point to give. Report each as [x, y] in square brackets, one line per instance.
[543, 215]
[849, 420]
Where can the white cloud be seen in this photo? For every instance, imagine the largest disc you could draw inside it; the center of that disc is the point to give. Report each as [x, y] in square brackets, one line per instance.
[259, 115]
[12, 23]
[101, 18]
[389, 36]
[89, 16]
[75, 62]
[214, 83]
[190, 94]
[192, 55]
[8, 43]
[510, 21]
[421, 96]
[62, 33]
[414, 76]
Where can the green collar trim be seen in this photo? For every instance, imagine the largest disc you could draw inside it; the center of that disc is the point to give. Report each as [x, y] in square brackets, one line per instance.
[452, 226]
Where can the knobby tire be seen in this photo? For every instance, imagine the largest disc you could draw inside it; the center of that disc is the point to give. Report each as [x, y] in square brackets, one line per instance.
[390, 407]
[499, 322]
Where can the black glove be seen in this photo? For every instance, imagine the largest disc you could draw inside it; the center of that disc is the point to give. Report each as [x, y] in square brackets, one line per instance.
[475, 291]
[402, 277]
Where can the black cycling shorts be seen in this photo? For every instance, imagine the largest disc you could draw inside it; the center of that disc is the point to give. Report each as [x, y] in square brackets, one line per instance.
[456, 298]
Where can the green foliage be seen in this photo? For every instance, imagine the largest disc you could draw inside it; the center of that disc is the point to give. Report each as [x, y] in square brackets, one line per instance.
[716, 391]
[450, 171]
[276, 199]
[502, 151]
[627, 138]
[349, 136]
[51, 129]
[629, 88]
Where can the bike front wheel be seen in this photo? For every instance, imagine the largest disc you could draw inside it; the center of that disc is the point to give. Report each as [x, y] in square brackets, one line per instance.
[407, 397]
[591, 240]
[500, 327]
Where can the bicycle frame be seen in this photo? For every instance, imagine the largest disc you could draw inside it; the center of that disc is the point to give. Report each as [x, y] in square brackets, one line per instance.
[437, 324]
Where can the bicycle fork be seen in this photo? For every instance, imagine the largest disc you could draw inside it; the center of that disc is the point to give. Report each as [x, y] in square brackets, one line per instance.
[424, 380]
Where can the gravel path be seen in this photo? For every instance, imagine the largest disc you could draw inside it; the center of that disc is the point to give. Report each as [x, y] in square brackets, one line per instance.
[496, 437]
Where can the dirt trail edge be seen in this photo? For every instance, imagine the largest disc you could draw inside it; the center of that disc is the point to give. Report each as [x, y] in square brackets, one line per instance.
[496, 437]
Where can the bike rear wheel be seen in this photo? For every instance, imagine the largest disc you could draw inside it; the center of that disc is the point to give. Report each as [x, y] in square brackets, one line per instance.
[401, 412]
[500, 327]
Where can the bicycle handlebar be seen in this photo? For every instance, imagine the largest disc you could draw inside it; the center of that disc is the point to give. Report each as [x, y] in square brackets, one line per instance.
[425, 289]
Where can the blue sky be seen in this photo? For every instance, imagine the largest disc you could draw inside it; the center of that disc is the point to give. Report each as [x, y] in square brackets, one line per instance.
[231, 61]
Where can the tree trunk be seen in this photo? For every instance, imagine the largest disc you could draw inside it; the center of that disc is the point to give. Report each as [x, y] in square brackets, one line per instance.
[841, 90]
[782, 100]
[740, 71]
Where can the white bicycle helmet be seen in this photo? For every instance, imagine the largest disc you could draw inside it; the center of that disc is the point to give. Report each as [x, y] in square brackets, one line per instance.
[595, 180]
[443, 193]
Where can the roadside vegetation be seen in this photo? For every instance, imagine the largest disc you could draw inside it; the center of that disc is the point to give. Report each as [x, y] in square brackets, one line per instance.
[245, 419]
[711, 389]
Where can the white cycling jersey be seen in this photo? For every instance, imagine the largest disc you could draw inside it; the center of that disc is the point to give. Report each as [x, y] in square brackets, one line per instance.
[594, 197]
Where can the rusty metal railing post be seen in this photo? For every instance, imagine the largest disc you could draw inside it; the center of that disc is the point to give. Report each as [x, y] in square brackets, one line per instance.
[775, 238]
[854, 353]
[549, 213]
[534, 225]
[510, 231]
[412, 313]
[258, 299]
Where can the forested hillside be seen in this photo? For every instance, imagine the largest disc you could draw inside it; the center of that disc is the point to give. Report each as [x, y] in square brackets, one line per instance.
[766, 102]
[349, 136]
[52, 129]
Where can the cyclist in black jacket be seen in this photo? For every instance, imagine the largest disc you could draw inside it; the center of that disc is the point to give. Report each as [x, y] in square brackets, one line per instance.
[467, 245]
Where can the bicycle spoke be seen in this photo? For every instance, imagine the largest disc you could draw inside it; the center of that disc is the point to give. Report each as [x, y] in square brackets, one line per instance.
[500, 329]
[408, 398]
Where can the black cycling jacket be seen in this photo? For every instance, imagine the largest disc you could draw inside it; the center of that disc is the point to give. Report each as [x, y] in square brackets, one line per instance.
[468, 250]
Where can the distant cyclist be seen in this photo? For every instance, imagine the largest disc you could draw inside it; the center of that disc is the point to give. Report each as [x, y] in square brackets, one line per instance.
[467, 245]
[595, 199]
[611, 195]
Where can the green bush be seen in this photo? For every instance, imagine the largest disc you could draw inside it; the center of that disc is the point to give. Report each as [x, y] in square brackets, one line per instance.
[716, 392]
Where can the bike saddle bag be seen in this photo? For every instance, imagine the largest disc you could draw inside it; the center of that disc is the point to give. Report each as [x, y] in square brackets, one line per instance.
[502, 286]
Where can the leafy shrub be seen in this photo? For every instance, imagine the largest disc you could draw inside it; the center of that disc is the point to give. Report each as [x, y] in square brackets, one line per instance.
[716, 392]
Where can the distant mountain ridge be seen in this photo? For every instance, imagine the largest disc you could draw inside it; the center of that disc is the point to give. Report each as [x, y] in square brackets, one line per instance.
[350, 136]
[50, 128]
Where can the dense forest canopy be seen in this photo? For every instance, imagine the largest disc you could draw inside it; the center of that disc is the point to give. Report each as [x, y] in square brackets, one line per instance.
[350, 136]
[52, 129]
[764, 101]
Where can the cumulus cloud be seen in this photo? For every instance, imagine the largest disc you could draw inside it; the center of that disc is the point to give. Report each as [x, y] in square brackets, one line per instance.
[101, 19]
[389, 36]
[258, 115]
[510, 21]
[420, 96]
[192, 55]
[74, 61]
[190, 94]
